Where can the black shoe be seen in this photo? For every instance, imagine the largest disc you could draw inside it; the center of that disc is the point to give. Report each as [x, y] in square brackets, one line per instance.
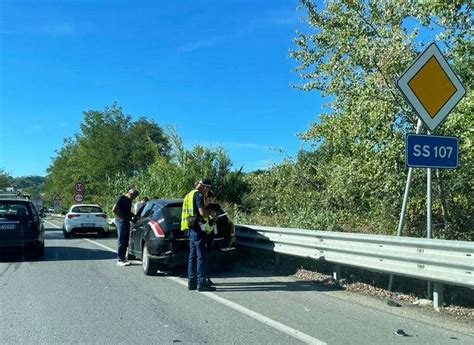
[210, 282]
[192, 286]
[206, 288]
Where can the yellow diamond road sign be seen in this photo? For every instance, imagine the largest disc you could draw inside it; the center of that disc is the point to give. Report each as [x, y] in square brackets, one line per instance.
[431, 86]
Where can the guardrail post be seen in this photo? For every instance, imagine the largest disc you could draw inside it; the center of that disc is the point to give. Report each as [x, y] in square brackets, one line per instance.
[437, 295]
[336, 272]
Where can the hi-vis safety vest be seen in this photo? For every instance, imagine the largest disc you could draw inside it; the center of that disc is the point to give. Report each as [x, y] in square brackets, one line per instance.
[188, 209]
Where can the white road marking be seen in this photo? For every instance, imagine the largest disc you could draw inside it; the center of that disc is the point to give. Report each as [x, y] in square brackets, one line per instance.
[100, 245]
[256, 316]
[58, 227]
[250, 313]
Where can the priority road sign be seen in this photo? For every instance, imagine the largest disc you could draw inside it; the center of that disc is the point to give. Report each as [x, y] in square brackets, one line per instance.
[431, 86]
[431, 151]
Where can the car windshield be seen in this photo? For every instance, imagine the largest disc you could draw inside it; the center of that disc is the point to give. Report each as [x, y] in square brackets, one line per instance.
[172, 215]
[87, 209]
[12, 210]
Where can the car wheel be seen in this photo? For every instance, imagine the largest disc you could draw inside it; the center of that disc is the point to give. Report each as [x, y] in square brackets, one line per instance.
[66, 234]
[104, 234]
[150, 266]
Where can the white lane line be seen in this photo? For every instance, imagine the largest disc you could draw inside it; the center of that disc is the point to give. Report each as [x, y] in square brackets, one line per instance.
[100, 245]
[58, 227]
[254, 315]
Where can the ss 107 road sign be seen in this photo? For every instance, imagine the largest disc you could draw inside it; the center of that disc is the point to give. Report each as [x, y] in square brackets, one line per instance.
[431, 87]
[431, 151]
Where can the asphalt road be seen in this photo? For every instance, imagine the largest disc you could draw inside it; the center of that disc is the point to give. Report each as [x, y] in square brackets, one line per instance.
[77, 294]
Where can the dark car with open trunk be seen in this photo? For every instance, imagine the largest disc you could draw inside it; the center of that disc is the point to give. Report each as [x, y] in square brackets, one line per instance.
[156, 237]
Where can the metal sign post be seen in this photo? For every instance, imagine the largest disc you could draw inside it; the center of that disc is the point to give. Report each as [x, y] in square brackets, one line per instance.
[433, 90]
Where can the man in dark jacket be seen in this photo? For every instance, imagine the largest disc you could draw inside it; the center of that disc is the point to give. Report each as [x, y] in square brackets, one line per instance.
[123, 216]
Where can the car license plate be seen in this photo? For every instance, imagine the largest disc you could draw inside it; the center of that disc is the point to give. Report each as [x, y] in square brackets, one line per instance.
[7, 226]
[87, 225]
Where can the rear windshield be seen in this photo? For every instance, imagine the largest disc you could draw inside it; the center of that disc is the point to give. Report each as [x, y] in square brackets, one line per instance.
[87, 209]
[172, 215]
[14, 210]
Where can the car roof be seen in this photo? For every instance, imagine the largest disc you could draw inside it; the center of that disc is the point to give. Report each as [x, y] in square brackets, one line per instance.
[166, 202]
[79, 205]
[16, 200]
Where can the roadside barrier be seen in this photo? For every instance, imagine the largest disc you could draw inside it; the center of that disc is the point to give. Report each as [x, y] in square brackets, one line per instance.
[438, 261]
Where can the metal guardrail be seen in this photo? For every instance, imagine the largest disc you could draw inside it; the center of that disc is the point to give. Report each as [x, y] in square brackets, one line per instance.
[439, 261]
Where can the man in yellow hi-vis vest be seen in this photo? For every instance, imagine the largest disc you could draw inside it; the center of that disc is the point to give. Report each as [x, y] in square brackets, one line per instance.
[193, 220]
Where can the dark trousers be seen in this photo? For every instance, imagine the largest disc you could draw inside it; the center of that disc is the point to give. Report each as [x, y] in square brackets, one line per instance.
[197, 264]
[123, 233]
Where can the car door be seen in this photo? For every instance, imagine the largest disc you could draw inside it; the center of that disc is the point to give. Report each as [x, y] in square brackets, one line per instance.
[137, 231]
[147, 216]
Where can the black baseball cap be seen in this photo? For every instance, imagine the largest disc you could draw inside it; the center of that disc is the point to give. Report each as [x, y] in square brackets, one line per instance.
[205, 182]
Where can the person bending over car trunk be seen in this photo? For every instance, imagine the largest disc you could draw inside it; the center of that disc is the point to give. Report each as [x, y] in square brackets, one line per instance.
[123, 215]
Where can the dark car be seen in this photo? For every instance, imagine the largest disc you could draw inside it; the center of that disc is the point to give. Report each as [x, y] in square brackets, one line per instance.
[21, 227]
[156, 237]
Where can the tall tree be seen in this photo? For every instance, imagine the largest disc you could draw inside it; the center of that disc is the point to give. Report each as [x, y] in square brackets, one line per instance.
[353, 178]
[354, 53]
[5, 179]
[109, 143]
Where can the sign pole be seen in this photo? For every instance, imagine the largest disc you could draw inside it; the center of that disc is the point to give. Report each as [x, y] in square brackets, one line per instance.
[433, 90]
[407, 189]
[404, 204]
[429, 206]
[428, 202]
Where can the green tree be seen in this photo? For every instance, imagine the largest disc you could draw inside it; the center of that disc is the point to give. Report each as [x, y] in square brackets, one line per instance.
[109, 143]
[175, 175]
[5, 179]
[353, 177]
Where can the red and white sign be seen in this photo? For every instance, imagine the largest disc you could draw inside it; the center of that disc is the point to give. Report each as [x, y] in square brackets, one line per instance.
[57, 197]
[78, 197]
[79, 187]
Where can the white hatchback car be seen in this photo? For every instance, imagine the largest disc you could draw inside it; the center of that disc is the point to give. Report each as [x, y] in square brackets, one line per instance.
[85, 218]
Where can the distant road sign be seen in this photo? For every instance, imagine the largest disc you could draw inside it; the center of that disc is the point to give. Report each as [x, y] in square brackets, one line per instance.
[57, 197]
[431, 86]
[431, 151]
[78, 197]
[57, 204]
[79, 187]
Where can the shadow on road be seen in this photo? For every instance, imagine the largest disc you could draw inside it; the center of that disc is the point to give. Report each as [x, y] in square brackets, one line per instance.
[60, 254]
[58, 235]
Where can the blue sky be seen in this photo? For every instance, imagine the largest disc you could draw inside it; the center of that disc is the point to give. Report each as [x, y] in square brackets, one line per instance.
[223, 64]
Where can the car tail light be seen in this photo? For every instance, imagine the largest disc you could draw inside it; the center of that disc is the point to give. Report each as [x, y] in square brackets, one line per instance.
[156, 229]
[101, 215]
[73, 215]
